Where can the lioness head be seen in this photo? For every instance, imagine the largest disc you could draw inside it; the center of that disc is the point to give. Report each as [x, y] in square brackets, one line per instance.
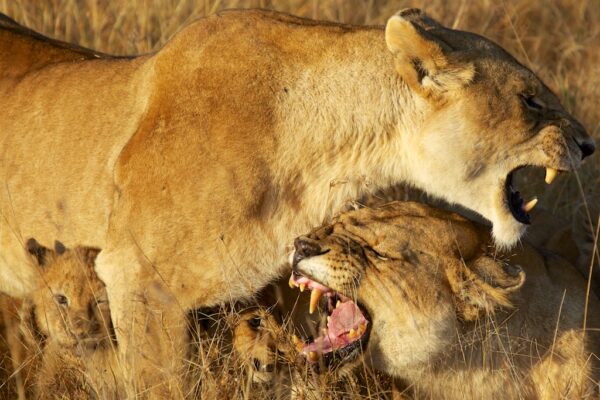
[70, 305]
[397, 278]
[490, 117]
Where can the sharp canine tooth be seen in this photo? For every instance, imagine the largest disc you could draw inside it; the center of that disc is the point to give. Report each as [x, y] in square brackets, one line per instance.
[362, 328]
[302, 287]
[550, 175]
[291, 282]
[313, 356]
[337, 304]
[315, 295]
[328, 319]
[530, 204]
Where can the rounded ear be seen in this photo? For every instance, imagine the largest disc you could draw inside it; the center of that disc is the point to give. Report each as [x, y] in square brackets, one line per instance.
[483, 285]
[40, 253]
[89, 254]
[422, 60]
[59, 248]
[419, 18]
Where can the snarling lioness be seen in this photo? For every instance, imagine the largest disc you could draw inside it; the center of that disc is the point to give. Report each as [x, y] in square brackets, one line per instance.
[424, 295]
[195, 166]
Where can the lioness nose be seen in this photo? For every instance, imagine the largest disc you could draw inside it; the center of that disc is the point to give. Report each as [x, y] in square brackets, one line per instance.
[587, 147]
[306, 247]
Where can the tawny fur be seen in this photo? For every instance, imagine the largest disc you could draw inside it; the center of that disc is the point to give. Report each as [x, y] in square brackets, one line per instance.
[194, 167]
[453, 318]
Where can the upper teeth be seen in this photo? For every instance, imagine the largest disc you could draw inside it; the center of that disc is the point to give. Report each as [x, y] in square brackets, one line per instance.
[315, 295]
[550, 175]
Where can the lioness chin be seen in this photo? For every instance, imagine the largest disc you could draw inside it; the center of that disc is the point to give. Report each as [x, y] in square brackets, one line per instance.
[426, 297]
[195, 166]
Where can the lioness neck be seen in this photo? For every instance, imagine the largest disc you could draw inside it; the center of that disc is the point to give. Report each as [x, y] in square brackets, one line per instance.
[338, 113]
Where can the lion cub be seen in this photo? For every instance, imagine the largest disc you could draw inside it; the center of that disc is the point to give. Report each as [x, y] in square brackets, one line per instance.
[66, 320]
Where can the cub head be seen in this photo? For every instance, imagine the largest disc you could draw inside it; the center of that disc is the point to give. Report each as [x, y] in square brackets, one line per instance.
[70, 305]
[397, 279]
[255, 343]
[486, 117]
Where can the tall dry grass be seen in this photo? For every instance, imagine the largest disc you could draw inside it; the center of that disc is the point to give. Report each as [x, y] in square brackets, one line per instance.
[558, 39]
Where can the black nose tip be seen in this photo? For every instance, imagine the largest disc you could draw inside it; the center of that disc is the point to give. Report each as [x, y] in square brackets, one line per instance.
[305, 247]
[587, 148]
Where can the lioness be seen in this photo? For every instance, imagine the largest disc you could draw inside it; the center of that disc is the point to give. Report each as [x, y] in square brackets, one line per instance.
[195, 166]
[67, 320]
[425, 294]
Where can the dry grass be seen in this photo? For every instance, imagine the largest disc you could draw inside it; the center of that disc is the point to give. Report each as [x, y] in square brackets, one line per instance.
[558, 39]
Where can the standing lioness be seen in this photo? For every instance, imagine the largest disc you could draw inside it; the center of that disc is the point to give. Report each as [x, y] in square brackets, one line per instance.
[193, 167]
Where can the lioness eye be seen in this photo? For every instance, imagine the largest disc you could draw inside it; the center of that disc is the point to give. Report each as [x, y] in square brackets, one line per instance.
[532, 102]
[61, 299]
[255, 322]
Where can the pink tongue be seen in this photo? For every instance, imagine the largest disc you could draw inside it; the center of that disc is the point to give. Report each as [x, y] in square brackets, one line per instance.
[345, 317]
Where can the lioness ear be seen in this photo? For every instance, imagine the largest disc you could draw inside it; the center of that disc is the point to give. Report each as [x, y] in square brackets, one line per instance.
[483, 285]
[421, 59]
[40, 253]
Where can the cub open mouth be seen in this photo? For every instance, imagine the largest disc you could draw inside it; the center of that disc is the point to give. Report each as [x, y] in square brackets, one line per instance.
[517, 206]
[347, 328]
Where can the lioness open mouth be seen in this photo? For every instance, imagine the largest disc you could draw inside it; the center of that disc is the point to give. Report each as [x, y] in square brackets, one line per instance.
[516, 204]
[347, 329]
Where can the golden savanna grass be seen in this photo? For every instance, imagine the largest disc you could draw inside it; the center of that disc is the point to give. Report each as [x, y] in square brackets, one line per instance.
[558, 39]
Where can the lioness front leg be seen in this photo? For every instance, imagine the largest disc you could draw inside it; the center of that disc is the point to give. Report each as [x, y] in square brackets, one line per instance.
[149, 324]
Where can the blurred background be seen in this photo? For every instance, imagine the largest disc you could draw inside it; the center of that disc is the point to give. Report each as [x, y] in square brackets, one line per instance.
[558, 39]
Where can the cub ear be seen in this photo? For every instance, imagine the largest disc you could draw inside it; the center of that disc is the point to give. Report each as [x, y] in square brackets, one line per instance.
[40, 253]
[88, 255]
[483, 285]
[59, 248]
[422, 60]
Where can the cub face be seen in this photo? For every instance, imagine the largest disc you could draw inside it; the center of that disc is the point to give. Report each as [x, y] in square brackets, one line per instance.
[70, 306]
[490, 117]
[254, 341]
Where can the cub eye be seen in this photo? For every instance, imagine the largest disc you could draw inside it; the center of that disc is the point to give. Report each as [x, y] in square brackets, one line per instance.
[532, 102]
[61, 299]
[255, 322]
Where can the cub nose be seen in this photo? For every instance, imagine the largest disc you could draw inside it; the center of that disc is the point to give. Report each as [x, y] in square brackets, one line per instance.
[305, 247]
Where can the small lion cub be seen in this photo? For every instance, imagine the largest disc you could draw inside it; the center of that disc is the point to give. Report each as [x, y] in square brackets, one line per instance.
[66, 320]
